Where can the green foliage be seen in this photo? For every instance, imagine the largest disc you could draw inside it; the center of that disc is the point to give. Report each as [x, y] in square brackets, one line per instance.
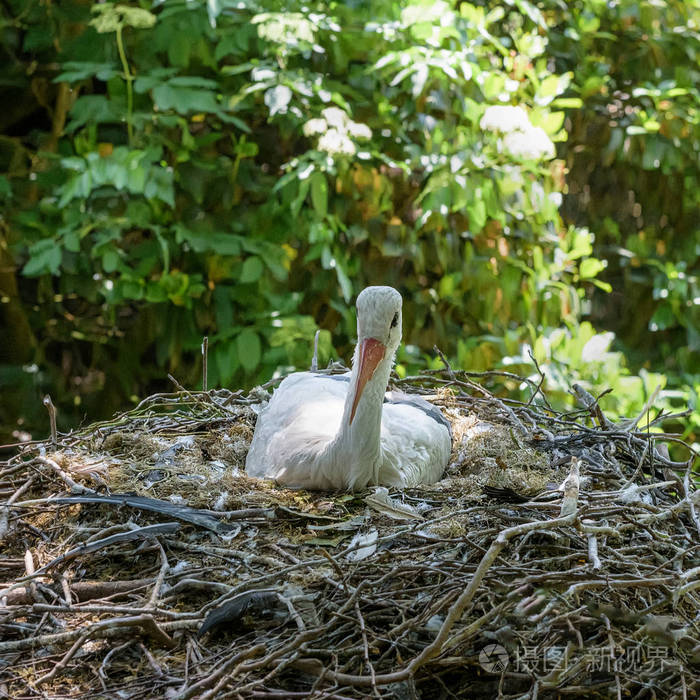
[636, 73]
[241, 172]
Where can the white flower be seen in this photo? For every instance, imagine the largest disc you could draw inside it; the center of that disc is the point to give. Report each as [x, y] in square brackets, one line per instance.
[505, 118]
[520, 138]
[314, 127]
[359, 131]
[335, 117]
[532, 144]
[334, 142]
[542, 142]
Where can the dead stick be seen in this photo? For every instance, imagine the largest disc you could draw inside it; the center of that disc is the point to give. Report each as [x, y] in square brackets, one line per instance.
[205, 349]
[64, 661]
[164, 566]
[103, 629]
[52, 418]
[70, 482]
[222, 670]
[445, 362]
[84, 590]
[5, 512]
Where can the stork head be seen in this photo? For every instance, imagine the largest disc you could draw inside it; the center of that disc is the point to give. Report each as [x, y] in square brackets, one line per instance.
[378, 333]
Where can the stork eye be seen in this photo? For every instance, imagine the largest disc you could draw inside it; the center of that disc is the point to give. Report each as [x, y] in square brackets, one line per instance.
[395, 320]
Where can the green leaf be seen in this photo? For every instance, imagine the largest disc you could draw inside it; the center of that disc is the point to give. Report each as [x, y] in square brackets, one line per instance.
[344, 281]
[252, 270]
[552, 122]
[71, 241]
[477, 215]
[160, 185]
[156, 292]
[131, 289]
[663, 318]
[223, 308]
[110, 260]
[552, 86]
[295, 206]
[179, 53]
[319, 194]
[493, 85]
[204, 242]
[45, 256]
[226, 358]
[157, 76]
[193, 81]
[249, 349]
[184, 99]
[246, 149]
[5, 187]
[73, 71]
[89, 109]
[568, 103]
[590, 267]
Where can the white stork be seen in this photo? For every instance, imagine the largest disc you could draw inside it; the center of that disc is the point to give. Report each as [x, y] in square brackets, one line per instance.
[344, 432]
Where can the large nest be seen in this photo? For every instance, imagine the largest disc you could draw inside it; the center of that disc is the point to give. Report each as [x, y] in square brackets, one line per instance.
[560, 555]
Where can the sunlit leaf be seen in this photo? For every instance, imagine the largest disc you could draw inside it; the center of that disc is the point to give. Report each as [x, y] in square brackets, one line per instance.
[137, 17]
[590, 267]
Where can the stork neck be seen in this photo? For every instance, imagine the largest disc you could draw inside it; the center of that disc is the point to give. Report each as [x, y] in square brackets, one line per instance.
[359, 441]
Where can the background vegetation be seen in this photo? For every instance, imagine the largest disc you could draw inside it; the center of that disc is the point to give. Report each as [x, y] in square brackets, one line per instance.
[242, 169]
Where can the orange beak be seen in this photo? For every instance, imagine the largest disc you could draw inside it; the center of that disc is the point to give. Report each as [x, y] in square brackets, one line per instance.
[371, 354]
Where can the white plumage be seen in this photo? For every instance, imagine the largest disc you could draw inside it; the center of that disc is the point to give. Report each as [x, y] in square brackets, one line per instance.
[344, 431]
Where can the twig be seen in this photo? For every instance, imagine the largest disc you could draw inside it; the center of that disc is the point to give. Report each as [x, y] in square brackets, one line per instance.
[52, 418]
[225, 670]
[365, 650]
[164, 566]
[104, 629]
[61, 665]
[445, 361]
[73, 485]
[205, 349]
[5, 510]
